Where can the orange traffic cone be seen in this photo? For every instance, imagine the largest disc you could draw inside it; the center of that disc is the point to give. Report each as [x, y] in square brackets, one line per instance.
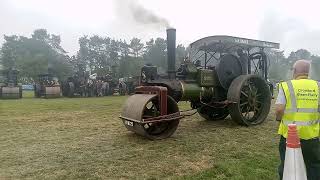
[294, 167]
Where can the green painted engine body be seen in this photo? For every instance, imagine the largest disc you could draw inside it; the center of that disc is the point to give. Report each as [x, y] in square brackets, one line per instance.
[202, 84]
[207, 78]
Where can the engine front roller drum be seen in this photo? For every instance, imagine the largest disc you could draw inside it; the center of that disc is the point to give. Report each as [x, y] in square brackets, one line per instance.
[11, 93]
[252, 100]
[141, 107]
[52, 92]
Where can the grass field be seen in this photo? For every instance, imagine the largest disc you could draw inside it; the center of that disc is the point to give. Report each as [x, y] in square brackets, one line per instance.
[83, 138]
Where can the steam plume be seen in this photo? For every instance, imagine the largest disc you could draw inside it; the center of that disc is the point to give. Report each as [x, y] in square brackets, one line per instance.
[132, 10]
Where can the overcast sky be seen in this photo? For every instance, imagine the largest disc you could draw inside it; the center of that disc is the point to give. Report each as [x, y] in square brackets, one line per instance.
[293, 23]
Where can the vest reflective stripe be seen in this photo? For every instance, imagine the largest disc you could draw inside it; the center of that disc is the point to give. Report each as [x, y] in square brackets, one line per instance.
[302, 123]
[292, 97]
[319, 96]
[302, 108]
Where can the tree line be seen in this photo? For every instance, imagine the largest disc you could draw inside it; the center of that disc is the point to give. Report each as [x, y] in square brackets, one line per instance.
[42, 51]
[280, 67]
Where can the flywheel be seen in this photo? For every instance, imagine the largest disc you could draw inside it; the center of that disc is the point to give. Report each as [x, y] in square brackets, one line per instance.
[228, 69]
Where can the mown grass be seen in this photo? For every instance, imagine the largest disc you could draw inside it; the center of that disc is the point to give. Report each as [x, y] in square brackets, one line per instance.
[82, 138]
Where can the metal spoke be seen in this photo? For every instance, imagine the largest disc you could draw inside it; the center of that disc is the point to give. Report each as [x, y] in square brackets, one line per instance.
[248, 110]
[152, 106]
[241, 109]
[245, 115]
[242, 104]
[249, 84]
[244, 94]
[254, 91]
[146, 126]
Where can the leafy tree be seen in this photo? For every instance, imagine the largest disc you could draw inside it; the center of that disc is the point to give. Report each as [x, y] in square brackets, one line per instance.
[114, 52]
[35, 55]
[181, 53]
[136, 47]
[156, 54]
[278, 66]
[43, 52]
[299, 54]
[40, 35]
[100, 53]
[130, 66]
[124, 49]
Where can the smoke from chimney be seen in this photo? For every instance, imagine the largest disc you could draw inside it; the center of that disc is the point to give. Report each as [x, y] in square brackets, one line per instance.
[131, 10]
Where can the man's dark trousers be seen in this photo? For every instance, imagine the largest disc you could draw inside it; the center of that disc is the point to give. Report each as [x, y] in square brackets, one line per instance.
[311, 155]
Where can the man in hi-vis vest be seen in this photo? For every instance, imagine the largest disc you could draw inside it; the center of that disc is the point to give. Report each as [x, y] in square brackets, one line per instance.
[298, 103]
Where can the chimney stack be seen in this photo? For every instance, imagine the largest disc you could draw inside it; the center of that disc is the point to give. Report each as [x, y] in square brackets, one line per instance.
[171, 50]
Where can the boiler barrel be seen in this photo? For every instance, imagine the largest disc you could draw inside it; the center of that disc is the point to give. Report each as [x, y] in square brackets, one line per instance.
[192, 91]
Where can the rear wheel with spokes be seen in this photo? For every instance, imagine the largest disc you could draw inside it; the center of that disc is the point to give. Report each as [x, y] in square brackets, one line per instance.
[252, 99]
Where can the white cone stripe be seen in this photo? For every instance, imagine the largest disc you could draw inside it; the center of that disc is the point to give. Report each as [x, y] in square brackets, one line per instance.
[294, 167]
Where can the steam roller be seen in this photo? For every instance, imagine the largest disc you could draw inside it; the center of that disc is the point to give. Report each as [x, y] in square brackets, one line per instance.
[47, 86]
[78, 84]
[11, 92]
[222, 76]
[52, 92]
[155, 116]
[10, 89]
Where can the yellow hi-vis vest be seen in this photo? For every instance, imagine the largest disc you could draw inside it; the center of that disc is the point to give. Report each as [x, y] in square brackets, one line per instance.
[302, 108]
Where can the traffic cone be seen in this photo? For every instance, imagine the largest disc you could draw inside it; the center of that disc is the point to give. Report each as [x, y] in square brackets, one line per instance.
[294, 167]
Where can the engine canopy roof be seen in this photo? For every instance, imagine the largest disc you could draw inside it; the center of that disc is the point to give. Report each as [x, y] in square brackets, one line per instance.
[222, 42]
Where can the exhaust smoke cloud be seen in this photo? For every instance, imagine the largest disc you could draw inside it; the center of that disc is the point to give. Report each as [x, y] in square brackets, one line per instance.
[132, 10]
